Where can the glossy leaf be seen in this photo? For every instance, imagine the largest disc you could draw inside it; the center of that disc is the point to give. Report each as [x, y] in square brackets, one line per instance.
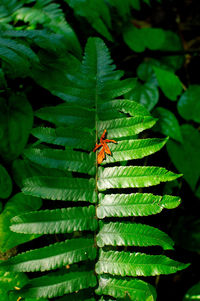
[65, 137]
[134, 149]
[134, 289]
[135, 204]
[125, 127]
[57, 284]
[65, 160]
[55, 221]
[51, 257]
[132, 234]
[133, 176]
[136, 264]
[61, 188]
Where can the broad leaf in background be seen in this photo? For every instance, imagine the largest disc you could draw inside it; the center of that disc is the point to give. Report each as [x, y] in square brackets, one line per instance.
[146, 94]
[49, 15]
[167, 124]
[193, 294]
[96, 13]
[189, 104]
[5, 183]
[172, 43]
[16, 205]
[185, 156]
[16, 119]
[10, 282]
[124, 8]
[140, 39]
[169, 83]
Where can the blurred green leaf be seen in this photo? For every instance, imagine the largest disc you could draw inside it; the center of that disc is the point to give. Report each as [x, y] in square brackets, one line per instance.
[140, 39]
[16, 119]
[185, 156]
[167, 124]
[145, 71]
[172, 43]
[146, 94]
[5, 183]
[189, 104]
[18, 204]
[193, 294]
[96, 13]
[169, 83]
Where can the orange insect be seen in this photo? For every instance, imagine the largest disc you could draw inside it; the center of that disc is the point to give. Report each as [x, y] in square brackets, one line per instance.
[105, 148]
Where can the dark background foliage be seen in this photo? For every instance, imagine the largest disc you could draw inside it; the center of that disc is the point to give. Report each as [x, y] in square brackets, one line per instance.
[36, 50]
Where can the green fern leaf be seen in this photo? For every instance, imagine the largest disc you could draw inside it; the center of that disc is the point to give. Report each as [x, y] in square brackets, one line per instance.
[65, 115]
[107, 110]
[135, 204]
[136, 264]
[65, 137]
[61, 188]
[65, 160]
[124, 127]
[133, 176]
[132, 234]
[57, 284]
[134, 289]
[56, 221]
[51, 257]
[134, 149]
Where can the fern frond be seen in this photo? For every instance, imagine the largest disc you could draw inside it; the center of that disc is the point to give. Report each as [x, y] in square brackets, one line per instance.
[136, 264]
[89, 110]
[52, 257]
